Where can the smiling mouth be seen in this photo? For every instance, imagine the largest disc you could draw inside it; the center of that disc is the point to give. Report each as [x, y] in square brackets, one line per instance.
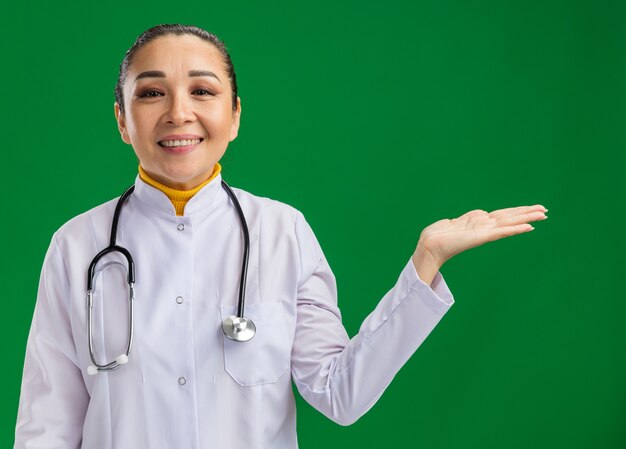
[179, 143]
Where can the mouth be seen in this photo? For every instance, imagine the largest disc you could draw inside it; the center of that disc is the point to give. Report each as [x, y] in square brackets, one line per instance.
[179, 146]
[179, 143]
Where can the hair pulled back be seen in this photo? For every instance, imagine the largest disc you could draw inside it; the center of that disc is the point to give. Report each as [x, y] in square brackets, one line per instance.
[177, 29]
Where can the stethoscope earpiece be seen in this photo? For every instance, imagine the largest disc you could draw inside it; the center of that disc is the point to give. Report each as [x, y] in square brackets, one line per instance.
[121, 359]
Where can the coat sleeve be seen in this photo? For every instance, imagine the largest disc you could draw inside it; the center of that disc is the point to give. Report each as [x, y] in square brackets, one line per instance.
[342, 377]
[53, 399]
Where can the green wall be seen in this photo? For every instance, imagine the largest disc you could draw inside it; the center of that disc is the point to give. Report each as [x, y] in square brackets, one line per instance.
[376, 119]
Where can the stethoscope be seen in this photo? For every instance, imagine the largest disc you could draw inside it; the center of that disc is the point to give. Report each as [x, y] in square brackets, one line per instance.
[236, 327]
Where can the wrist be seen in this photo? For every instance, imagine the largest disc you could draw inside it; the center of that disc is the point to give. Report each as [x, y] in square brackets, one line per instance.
[425, 264]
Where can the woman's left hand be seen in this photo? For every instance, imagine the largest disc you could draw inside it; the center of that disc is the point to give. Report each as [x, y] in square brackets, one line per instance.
[448, 237]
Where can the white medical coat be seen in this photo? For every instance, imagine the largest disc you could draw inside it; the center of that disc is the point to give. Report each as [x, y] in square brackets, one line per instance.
[187, 386]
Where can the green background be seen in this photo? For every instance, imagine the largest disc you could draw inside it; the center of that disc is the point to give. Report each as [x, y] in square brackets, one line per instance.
[376, 119]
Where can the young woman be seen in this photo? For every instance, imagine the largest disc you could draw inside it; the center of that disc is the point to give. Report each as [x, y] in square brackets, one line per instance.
[204, 369]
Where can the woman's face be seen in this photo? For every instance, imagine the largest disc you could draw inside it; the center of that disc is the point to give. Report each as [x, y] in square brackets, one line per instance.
[177, 89]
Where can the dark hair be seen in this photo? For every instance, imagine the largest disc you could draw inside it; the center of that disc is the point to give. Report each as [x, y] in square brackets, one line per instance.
[177, 29]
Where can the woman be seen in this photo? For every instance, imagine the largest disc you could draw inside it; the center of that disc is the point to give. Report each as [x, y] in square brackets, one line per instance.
[186, 384]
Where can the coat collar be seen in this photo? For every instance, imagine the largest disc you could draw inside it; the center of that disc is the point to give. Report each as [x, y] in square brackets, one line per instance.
[201, 202]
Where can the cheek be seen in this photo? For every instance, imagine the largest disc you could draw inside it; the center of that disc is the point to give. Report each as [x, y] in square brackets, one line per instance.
[139, 126]
[218, 123]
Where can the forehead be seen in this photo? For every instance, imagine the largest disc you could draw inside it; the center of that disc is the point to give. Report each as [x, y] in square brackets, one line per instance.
[172, 52]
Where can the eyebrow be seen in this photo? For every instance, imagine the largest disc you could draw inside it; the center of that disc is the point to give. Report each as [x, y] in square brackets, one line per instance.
[159, 74]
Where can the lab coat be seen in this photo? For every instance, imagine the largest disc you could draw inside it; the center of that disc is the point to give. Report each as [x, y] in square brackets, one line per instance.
[187, 386]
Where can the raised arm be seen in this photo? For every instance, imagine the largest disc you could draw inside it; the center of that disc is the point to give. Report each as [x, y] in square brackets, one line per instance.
[342, 377]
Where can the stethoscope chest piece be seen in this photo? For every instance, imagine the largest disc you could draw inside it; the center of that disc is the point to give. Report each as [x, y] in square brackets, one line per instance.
[238, 328]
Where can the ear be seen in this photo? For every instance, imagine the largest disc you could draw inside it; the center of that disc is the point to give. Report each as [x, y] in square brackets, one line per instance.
[121, 123]
[234, 130]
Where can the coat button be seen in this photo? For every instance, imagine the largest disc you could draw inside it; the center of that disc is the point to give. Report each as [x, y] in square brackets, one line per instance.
[182, 381]
[179, 299]
[180, 227]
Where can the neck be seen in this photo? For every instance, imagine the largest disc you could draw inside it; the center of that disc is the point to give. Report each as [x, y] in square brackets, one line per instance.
[178, 198]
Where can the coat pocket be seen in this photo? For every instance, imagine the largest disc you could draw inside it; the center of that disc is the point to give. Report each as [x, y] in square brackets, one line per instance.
[265, 357]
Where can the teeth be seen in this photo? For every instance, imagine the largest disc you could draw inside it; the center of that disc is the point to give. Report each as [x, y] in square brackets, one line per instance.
[179, 143]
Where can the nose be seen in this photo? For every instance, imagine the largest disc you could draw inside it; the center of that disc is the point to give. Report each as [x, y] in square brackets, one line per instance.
[180, 110]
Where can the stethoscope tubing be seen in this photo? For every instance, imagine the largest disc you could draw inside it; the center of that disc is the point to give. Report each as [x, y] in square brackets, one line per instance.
[246, 251]
[243, 326]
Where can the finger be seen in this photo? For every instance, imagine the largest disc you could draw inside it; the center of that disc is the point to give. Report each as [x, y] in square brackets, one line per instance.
[511, 220]
[507, 231]
[517, 210]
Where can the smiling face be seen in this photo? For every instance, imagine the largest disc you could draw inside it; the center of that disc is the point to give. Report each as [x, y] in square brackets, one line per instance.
[178, 113]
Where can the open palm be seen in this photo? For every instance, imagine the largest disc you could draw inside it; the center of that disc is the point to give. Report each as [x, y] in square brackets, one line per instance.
[449, 237]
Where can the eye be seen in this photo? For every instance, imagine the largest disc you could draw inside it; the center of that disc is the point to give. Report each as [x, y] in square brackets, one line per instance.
[203, 92]
[149, 93]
